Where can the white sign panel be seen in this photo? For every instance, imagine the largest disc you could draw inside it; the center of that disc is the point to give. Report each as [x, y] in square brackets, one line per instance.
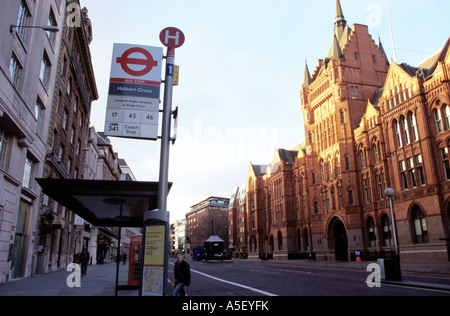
[134, 91]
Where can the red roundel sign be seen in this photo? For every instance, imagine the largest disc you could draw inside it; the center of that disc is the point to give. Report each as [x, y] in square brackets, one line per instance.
[172, 37]
[148, 62]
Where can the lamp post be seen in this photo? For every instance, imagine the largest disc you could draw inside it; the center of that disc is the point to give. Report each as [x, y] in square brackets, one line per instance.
[48, 28]
[389, 192]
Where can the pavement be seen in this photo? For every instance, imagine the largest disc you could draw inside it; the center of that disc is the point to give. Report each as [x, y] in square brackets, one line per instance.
[100, 279]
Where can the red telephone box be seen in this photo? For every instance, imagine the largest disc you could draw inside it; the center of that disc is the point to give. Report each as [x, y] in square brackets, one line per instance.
[134, 270]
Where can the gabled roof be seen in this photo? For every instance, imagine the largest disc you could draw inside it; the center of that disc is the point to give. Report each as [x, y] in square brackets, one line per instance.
[432, 62]
[259, 170]
[377, 96]
[288, 156]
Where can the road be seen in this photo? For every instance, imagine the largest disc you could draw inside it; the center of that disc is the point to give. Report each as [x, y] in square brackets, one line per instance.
[270, 278]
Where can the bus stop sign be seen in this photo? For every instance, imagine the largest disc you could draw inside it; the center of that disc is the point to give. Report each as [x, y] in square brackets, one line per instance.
[172, 37]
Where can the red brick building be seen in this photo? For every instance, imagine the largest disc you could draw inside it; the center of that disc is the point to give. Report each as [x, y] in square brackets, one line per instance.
[206, 218]
[369, 125]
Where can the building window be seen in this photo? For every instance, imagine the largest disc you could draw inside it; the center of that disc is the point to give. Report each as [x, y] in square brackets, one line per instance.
[350, 198]
[363, 160]
[419, 226]
[411, 172]
[347, 163]
[38, 109]
[387, 234]
[413, 124]
[447, 116]
[337, 167]
[445, 163]
[375, 153]
[3, 148]
[398, 136]
[403, 178]
[23, 19]
[371, 232]
[45, 69]
[322, 172]
[405, 131]
[28, 173]
[51, 22]
[341, 203]
[438, 120]
[326, 201]
[419, 168]
[365, 188]
[380, 185]
[14, 70]
[65, 120]
[342, 116]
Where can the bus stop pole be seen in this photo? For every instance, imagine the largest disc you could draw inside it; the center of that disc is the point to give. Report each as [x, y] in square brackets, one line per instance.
[163, 188]
[160, 216]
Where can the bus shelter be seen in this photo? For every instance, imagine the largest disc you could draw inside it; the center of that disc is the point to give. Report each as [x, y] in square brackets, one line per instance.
[105, 203]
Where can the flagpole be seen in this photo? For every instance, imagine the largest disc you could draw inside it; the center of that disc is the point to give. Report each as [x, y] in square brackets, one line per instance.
[392, 33]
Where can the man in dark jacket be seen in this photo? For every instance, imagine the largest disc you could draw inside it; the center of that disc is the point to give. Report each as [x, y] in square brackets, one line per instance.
[84, 259]
[182, 273]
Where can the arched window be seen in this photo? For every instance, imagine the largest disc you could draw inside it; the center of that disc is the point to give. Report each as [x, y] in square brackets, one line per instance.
[447, 116]
[322, 171]
[363, 160]
[337, 167]
[419, 223]
[371, 234]
[375, 153]
[438, 120]
[386, 231]
[398, 136]
[405, 131]
[413, 124]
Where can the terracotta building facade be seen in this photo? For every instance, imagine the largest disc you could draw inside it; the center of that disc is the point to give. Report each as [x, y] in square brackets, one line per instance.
[369, 124]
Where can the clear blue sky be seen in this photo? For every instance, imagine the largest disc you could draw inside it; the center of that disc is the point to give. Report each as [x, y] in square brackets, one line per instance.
[241, 69]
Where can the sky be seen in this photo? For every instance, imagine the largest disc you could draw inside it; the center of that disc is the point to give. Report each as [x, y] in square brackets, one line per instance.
[241, 70]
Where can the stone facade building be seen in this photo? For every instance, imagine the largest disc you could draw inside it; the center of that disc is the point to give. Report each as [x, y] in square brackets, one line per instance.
[60, 232]
[369, 124]
[28, 66]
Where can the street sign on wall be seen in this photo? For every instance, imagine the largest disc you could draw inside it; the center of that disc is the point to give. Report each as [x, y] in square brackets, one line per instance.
[134, 91]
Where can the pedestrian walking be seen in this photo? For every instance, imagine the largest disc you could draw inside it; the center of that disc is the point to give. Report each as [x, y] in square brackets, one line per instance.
[182, 272]
[124, 258]
[84, 260]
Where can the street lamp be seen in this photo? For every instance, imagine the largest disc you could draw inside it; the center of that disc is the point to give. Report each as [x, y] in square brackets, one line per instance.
[49, 28]
[389, 192]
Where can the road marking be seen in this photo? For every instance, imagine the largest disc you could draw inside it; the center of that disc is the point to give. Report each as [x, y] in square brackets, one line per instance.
[233, 283]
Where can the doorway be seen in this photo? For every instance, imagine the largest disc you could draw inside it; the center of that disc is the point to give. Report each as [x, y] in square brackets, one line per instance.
[338, 240]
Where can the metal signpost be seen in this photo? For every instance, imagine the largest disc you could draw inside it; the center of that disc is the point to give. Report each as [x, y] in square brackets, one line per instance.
[156, 222]
[133, 112]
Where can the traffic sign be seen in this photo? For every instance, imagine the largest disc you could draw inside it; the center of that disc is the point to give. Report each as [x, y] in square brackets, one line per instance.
[172, 37]
[134, 92]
